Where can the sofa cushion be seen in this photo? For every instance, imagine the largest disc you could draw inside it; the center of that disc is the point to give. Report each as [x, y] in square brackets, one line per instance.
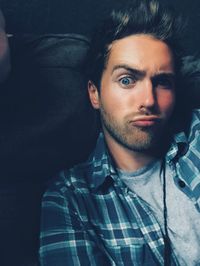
[46, 120]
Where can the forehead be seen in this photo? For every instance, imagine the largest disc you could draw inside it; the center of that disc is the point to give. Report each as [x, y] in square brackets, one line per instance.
[141, 51]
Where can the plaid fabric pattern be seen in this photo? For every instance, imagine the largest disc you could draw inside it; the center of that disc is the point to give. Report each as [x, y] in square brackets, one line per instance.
[89, 217]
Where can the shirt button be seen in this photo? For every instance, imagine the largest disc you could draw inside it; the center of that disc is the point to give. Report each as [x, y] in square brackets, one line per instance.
[181, 183]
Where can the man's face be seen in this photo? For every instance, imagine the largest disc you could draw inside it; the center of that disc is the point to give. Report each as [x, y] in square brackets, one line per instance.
[137, 94]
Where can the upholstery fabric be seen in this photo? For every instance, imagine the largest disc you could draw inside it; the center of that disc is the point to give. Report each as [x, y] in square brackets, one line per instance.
[46, 124]
[44, 112]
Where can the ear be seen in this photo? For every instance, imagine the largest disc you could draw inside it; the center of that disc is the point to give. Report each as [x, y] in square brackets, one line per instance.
[93, 94]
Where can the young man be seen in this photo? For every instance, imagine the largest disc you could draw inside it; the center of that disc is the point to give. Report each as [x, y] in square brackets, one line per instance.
[136, 200]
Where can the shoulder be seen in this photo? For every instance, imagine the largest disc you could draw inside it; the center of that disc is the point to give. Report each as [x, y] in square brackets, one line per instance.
[194, 127]
[80, 179]
[71, 180]
[196, 115]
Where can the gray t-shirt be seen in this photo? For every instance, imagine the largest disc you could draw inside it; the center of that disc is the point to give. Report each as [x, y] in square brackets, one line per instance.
[183, 218]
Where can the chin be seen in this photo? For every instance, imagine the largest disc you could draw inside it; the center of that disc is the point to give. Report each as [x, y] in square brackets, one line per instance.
[142, 140]
[140, 145]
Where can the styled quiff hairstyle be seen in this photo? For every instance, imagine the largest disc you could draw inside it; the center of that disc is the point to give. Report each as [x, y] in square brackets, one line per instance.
[134, 17]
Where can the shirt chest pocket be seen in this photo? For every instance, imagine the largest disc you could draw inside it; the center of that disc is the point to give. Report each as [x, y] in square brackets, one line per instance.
[125, 246]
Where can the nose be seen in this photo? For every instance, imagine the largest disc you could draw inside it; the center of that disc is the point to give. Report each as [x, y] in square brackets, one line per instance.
[148, 94]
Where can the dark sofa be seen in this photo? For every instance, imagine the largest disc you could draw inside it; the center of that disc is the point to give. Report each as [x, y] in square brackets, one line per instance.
[46, 124]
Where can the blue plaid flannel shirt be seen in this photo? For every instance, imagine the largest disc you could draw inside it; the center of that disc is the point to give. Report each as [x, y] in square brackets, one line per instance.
[89, 217]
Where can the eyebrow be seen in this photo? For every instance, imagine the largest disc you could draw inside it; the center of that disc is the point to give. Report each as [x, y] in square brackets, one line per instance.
[133, 71]
[142, 73]
[167, 76]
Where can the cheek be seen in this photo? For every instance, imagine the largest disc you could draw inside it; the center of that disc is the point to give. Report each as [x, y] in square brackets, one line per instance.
[166, 102]
[111, 99]
[111, 105]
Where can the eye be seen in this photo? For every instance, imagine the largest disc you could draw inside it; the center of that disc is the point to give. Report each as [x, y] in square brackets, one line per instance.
[126, 81]
[165, 82]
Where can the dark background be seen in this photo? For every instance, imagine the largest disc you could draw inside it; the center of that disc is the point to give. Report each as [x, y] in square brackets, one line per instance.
[79, 16]
[20, 200]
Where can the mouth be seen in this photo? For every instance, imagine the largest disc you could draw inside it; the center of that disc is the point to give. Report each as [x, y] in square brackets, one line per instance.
[145, 121]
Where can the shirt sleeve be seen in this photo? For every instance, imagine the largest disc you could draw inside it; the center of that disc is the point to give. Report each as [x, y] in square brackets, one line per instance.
[63, 240]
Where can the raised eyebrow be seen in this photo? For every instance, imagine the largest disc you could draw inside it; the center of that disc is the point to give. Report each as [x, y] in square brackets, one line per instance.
[133, 71]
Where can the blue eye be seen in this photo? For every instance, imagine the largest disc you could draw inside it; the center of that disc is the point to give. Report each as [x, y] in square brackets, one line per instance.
[126, 81]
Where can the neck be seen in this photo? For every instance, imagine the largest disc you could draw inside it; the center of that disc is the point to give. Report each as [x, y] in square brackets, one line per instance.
[126, 159]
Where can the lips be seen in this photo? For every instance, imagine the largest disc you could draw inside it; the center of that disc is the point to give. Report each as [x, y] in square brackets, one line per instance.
[145, 121]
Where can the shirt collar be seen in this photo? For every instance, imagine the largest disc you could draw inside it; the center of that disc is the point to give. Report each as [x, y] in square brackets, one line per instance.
[178, 147]
[101, 168]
